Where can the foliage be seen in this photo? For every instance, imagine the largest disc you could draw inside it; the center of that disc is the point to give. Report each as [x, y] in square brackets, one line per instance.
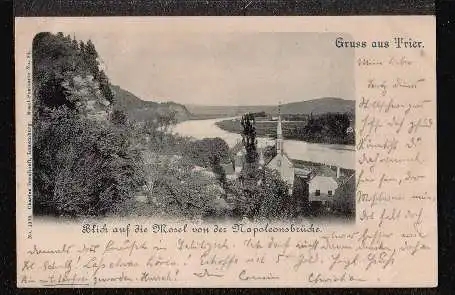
[267, 198]
[345, 203]
[208, 151]
[91, 158]
[259, 192]
[118, 117]
[165, 120]
[174, 189]
[269, 152]
[249, 137]
[57, 58]
[82, 167]
[83, 164]
[329, 128]
[219, 170]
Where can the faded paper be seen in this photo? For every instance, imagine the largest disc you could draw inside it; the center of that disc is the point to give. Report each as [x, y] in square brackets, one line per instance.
[392, 241]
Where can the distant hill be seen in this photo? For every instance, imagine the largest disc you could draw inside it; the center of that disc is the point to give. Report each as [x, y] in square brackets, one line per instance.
[141, 110]
[318, 106]
[315, 106]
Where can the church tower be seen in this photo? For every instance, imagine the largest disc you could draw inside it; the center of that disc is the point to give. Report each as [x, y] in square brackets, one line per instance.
[279, 133]
[281, 163]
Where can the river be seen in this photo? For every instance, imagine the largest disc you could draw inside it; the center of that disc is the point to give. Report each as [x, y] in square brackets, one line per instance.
[331, 154]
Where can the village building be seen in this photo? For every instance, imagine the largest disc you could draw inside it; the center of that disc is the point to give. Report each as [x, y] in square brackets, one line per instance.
[321, 189]
[282, 163]
[310, 184]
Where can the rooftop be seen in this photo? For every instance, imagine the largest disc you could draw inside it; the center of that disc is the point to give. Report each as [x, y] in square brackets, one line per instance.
[302, 172]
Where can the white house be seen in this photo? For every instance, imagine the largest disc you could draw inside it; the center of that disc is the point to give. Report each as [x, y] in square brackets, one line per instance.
[322, 188]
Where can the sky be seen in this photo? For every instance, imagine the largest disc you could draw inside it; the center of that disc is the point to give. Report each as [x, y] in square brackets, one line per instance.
[225, 68]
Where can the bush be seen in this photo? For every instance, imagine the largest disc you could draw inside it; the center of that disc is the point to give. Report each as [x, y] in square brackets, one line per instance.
[82, 167]
[267, 197]
[206, 152]
[83, 164]
[270, 152]
[119, 117]
[174, 189]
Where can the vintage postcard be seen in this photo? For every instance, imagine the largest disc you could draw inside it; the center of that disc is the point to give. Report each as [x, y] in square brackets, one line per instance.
[226, 152]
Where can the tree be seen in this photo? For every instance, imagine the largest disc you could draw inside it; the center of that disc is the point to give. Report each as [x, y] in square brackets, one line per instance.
[249, 172]
[176, 190]
[269, 152]
[267, 199]
[264, 195]
[119, 117]
[249, 137]
[90, 55]
[82, 47]
[207, 151]
[75, 44]
[165, 121]
[104, 86]
[218, 170]
[81, 166]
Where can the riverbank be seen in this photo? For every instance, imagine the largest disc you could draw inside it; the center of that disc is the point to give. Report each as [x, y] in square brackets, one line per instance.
[342, 156]
[321, 131]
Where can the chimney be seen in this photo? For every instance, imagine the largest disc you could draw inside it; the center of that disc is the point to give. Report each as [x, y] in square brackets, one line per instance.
[338, 172]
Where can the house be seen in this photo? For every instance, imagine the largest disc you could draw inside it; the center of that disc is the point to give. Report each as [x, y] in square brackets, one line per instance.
[285, 168]
[321, 189]
[344, 200]
[309, 183]
[289, 169]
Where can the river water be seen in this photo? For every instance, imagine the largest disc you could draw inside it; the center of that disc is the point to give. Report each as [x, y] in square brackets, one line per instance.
[331, 154]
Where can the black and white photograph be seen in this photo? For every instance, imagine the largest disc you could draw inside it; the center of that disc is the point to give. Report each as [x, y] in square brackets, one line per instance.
[193, 126]
[230, 152]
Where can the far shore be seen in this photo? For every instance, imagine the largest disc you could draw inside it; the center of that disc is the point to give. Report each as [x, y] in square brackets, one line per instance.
[329, 154]
[267, 128]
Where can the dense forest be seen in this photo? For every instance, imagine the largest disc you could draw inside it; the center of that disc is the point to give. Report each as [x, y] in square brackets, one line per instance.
[93, 158]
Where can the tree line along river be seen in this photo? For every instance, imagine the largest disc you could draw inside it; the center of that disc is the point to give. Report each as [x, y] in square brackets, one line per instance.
[330, 154]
